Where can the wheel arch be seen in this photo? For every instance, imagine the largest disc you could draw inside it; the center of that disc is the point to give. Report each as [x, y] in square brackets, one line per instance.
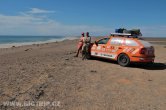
[122, 53]
[126, 60]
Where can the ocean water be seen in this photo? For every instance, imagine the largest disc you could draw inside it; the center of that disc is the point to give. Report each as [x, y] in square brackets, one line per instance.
[9, 41]
[26, 39]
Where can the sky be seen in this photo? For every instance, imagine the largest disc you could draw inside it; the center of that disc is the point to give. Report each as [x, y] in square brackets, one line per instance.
[71, 17]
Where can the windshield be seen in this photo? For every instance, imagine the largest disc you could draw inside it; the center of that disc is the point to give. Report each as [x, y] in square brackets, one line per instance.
[103, 41]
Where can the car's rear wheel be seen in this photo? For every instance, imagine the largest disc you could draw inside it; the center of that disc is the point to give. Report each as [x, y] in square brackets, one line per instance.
[123, 60]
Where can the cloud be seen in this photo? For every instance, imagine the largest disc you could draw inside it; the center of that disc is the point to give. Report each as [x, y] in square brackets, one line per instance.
[35, 22]
[39, 11]
[36, 25]
[32, 24]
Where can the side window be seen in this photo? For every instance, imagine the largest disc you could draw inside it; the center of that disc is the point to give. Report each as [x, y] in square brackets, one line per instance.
[103, 41]
[129, 42]
[116, 41]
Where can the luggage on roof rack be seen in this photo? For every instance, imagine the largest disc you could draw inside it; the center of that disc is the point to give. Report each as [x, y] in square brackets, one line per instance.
[120, 30]
[133, 32]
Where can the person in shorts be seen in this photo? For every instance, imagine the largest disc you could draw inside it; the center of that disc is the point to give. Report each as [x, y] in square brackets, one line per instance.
[80, 44]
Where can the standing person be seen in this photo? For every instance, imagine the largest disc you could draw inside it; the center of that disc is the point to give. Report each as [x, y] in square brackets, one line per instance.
[86, 46]
[80, 44]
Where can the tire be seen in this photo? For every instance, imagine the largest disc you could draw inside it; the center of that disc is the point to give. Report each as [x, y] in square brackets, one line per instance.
[123, 60]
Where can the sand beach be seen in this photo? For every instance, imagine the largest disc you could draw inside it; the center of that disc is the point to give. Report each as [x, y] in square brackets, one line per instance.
[49, 72]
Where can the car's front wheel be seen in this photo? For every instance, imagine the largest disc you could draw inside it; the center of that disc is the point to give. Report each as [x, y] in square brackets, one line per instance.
[123, 60]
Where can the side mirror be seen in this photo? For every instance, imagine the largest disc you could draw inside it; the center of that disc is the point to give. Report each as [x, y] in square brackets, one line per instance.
[96, 43]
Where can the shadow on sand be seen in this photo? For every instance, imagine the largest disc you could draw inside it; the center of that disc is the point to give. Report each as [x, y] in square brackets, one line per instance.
[154, 66]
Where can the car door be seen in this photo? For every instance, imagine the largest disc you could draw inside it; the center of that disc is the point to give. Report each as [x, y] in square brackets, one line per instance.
[116, 46]
[100, 49]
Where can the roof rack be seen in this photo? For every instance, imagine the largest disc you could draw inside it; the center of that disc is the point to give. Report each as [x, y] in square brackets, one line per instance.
[120, 34]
